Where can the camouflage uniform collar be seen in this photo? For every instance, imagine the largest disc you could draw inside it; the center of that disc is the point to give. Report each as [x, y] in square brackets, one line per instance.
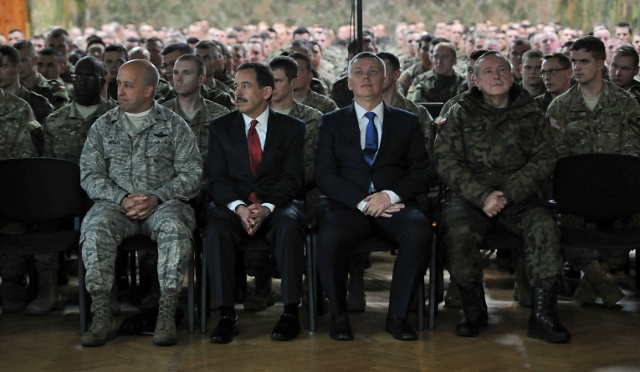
[101, 107]
[518, 98]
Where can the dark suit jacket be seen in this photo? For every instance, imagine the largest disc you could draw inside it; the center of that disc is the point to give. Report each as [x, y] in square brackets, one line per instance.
[281, 173]
[401, 164]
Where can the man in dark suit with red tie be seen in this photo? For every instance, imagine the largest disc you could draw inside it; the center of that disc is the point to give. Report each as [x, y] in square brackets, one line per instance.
[370, 166]
[255, 170]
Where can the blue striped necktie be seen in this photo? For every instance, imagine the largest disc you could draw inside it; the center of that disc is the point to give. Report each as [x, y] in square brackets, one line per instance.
[371, 139]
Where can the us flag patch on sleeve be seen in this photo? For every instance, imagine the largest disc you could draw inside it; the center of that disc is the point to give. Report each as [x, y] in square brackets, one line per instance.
[555, 123]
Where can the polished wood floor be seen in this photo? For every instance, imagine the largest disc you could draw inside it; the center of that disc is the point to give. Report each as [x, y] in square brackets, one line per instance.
[603, 340]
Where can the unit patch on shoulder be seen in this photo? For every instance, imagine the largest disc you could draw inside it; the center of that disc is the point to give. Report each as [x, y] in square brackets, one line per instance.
[634, 123]
[440, 120]
[555, 123]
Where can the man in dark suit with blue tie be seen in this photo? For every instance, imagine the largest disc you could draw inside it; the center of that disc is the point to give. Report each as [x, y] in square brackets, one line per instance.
[370, 166]
[255, 170]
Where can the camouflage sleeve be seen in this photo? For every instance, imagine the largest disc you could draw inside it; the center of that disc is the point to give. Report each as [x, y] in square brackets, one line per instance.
[94, 176]
[631, 134]
[187, 164]
[415, 92]
[24, 145]
[311, 131]
[48, 138]
[555, 118]
[449, 159]
[404, 82]
[530, 178]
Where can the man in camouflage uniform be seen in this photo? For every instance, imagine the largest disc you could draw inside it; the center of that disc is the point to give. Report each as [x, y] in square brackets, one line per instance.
[52, 90]
[517, 48]
[407, 76]
[302, 91]
[140, 165]
[441, 83]
[114, 57]
[10, 83]
[624, 68]
[556, 75]
[19, 133]
[530, 69]
[595, 116]
[58, 39]
[494, 150]
[212, 57]
[170, 55]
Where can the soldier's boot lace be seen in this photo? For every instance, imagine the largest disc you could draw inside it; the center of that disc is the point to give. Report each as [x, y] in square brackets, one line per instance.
[544, 323]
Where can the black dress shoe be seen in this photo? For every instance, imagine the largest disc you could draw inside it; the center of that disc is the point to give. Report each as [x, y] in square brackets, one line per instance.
[340, 328]
[400, 328]
[287, 328]
[225, 330]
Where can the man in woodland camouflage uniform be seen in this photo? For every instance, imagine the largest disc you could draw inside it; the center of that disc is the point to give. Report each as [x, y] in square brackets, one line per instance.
[595, 116]
[441, 83]
[140, 165]
[494, 150]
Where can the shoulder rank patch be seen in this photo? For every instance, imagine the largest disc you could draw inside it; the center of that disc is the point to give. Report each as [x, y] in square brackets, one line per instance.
[634, 123]
[555, 123]
[440, 120]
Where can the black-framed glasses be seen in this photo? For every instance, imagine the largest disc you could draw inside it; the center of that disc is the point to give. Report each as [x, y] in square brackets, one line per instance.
[76, 77]
[552, 71]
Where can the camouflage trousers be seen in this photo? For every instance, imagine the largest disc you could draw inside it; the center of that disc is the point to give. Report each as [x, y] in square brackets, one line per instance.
[578, 257]
[466, 226]
[105, 226]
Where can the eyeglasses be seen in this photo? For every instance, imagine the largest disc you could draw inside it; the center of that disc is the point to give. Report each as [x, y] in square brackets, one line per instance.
[76, 77]
[552, 71]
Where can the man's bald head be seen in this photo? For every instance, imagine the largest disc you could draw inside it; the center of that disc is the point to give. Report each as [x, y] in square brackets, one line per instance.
[148, 71]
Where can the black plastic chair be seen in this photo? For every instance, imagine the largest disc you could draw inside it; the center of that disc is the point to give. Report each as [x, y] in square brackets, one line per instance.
[45, 193]
[601, 188]
[131, 246]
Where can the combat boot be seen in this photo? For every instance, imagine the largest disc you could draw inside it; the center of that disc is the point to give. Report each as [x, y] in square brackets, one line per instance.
[356, 298]
[605, 287]
[49, 297]
[522, 290]
[474, 310]
[262, 296]
[165, 333]
[103, 327]
[544, 323]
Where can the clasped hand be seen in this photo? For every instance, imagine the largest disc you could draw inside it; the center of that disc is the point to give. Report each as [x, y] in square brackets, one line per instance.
[252, 217]
[494, 203]
[379, 205]
[139, 206]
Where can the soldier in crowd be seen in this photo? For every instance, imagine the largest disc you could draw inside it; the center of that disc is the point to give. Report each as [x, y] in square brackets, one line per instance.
[530, 70]
[66, 130]
[224, 67]
[595, 116]
[21, 136]
[58, 39]
[624, 68]
[517, 48]
[494, 187]
[556, 75]
[114, 56]
[213, 58]
[10, 83]
[410, 73]
[441, 83]
[140, 165]
[409, 56]
[320, 64]
[170, 55]
[50, 65]
[30, 78]
[302, 91]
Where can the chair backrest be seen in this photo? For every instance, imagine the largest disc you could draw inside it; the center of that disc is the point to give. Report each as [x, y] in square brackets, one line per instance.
[433, 108]
[39, 190]
[598, 187]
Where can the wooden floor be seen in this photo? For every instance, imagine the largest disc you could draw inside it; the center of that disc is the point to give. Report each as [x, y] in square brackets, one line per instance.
[603, 340]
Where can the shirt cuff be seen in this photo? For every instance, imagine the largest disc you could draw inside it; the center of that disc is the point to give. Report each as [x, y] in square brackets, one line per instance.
[269, 206]
[361, 206]
[234, 204]
[392, 195]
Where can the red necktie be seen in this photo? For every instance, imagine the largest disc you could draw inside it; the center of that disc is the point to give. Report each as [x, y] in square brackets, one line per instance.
[255, 155]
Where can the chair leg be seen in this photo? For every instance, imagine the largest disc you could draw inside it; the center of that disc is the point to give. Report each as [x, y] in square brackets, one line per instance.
[420, 299]
[311, 283]
[204, 309]
[82, 293]
[190, 291]
[433, 282]
[637, 269]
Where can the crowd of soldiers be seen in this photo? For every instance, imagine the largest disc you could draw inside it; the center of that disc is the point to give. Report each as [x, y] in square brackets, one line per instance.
[574, 91]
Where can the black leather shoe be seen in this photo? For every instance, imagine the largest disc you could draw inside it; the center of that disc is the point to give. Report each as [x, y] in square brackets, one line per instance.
[287, 328]
[340, 328]
[225, 330]
[399, 328]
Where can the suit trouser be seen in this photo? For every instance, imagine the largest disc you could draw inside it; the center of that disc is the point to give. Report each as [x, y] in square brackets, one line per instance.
[105, 226]
[341, 228]
[467, 225]
[282, 229]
